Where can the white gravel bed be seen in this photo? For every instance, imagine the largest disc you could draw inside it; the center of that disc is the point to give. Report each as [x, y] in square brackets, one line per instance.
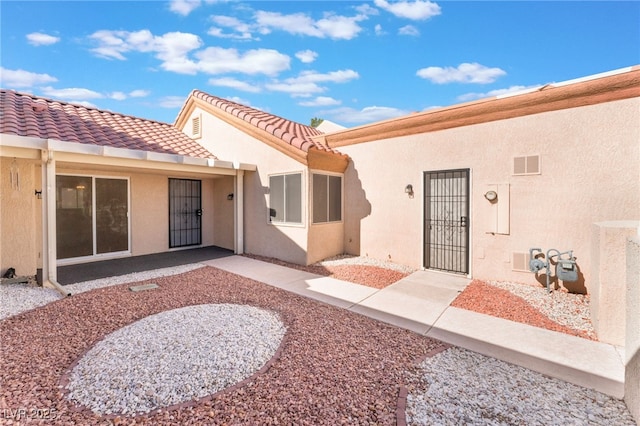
[173, 357]
[345, 259]
[462, 387]
[17, 298]
[131, 278]
[571, 310]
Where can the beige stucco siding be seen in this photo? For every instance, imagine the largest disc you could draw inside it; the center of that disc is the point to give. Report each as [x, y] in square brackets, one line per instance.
[589, 173]
[223, 212]
[287, 242]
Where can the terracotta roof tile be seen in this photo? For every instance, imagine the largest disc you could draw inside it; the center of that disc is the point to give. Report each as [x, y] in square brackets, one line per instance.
[295, 134]
[27, 115]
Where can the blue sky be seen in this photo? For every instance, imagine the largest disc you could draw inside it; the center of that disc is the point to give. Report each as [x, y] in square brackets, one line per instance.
[348, 62]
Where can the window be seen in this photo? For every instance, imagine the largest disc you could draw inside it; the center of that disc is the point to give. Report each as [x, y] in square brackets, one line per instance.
[327, 198]
[92, 216]
[285, 199]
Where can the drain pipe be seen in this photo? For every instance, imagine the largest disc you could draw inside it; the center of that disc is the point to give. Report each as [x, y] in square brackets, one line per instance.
[53, 283]
[49, 223]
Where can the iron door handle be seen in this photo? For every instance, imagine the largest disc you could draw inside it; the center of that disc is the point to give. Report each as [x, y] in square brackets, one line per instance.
[463, 221]
[199, 212]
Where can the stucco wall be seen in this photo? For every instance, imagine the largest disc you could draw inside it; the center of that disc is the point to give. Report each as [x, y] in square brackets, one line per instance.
[632, 348]
[223, 213]
[286, 242]
[608, 278]
[18, 217]
[587, 156]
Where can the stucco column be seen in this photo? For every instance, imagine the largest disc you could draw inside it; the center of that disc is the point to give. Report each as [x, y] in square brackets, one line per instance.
[49, 268]
[239, 212]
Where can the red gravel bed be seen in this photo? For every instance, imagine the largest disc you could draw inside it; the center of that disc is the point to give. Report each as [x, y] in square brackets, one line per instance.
[336, 367]
[367, 275]
[487, 299]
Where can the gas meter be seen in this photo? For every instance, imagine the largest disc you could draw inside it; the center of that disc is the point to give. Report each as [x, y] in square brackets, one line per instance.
[566, 270]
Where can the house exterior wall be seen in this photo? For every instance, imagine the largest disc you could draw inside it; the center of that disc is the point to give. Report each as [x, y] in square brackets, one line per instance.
[286, 242]
[149, 207]
[18, 205]
[223, 212]
[589, 161]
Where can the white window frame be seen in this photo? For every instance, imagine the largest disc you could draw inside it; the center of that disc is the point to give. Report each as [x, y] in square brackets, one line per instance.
[302, 200]
[313, 206]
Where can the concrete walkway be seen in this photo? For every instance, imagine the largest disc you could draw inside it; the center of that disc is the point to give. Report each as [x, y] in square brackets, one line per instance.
[420, 302]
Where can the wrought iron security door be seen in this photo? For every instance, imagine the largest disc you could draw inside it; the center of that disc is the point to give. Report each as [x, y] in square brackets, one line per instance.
[446, 212]
[185, 212]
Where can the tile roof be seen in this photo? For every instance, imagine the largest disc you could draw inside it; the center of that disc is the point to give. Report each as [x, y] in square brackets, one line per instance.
[27, 115]
[295, 134]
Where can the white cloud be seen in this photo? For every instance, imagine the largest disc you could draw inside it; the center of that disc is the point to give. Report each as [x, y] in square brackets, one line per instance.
[331, 26]
[184, 7]
[307, 56]
[491, 93]
[171, 48]
[72, 93]
[365, 115]
[320, 101]
[172, 101]
[118, 96]
[41, 39]
[409, 30]
[216, 60]
[417, 10]
[307, 82]
[465, 73]
[378, 29]
[22, 78]
[139, 93]
[295, 89]
[234, 84]
[241, 30]
[341, 76]
[242, 101]
[366, 9]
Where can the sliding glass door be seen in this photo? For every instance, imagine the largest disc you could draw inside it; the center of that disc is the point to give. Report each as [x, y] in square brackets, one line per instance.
[92, 216]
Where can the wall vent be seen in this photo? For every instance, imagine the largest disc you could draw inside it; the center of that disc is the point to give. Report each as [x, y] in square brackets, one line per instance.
[527, 165]
[520, 261]
[196, 127]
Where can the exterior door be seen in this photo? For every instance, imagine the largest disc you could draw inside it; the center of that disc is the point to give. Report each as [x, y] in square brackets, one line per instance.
[446, 212]
[92, 216]
[185, 212]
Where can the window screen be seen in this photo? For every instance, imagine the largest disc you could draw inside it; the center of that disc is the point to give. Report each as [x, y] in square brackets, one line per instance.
[285, 199]
[327, 198]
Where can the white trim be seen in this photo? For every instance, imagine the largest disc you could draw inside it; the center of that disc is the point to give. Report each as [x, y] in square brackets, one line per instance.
[24, 142]
[238, 206]
[304, 178]
[312, 205]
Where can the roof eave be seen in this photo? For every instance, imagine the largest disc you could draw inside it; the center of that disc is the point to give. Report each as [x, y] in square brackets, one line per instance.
[609, 88]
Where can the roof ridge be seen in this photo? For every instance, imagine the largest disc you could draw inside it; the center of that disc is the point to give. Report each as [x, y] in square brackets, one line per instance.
[298, 135]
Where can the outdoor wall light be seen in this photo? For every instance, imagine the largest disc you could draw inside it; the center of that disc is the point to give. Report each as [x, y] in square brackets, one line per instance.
[491, 196]
[230, 196]
[39, 194]
[408, 189]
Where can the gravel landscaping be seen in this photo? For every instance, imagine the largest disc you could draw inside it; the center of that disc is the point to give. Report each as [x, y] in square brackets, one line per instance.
[335, 367]
[211, 347]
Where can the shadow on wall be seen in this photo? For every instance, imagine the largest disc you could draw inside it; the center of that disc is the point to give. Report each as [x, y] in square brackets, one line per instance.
[262, 238]
[576, 287]
[357, 207]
